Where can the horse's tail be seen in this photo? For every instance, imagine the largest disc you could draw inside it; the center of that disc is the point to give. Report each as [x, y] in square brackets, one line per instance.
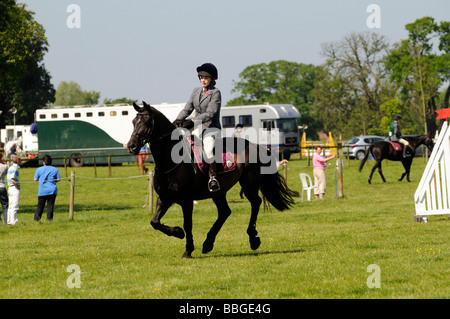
[275, 190]
[365, 157]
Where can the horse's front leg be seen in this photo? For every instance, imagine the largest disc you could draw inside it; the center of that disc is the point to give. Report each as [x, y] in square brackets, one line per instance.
[161, 209]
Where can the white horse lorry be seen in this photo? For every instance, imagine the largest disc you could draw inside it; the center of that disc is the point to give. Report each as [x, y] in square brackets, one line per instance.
[80, 133]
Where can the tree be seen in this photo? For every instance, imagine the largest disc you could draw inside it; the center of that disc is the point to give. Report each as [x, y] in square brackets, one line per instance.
[24, 81]
[419, 70]
[70, 93]
[91, 97]
[122, 100]
[279, 82]
[354, 83]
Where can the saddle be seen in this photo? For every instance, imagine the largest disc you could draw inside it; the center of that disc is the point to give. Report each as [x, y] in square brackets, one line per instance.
[397, 146]
[227, 164]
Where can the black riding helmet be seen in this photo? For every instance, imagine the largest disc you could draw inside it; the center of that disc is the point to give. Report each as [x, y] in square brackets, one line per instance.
[208, 69]
[397, 117]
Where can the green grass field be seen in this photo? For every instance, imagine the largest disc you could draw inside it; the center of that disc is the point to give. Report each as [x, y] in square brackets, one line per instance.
[318, 249]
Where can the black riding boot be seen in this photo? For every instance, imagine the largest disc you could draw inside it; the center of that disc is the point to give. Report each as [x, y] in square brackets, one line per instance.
[213, 184]
[405, 154]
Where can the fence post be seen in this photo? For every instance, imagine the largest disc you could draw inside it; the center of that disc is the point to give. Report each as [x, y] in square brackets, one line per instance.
[72, 194]
[150, 191]
[109, 164]
[340, 178]
[95, 166]
[65, 165]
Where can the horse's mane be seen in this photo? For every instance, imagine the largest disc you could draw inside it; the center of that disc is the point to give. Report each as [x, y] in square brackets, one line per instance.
[162, 120]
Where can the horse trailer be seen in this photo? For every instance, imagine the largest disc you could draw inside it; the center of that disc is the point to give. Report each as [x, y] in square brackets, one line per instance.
[84, 134]
[274, 125]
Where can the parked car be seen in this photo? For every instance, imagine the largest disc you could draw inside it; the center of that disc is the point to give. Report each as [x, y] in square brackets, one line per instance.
[357, 146]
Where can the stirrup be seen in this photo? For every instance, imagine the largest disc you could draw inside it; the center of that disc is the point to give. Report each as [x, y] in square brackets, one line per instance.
[217, 188]
[405, 151]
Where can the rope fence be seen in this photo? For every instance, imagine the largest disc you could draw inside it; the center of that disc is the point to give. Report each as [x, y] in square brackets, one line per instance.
[149, 196]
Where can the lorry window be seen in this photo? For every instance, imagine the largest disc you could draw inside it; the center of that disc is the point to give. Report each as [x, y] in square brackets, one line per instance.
[245, 120]
[42, 116]
[54, 116]
[268, 125]
[124, 112]
[287, 125]
[65, 115]
[228, 121]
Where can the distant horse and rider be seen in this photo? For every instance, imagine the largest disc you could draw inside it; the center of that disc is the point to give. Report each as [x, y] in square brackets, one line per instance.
[395, 152]
[183, 181]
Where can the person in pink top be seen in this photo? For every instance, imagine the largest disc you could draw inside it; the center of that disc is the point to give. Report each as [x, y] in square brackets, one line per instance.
[319, 163]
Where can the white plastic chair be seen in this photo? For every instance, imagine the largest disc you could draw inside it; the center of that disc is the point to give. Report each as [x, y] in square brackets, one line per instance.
[306, 185]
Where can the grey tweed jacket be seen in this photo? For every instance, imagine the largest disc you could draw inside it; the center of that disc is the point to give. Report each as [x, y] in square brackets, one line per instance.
[206, 107]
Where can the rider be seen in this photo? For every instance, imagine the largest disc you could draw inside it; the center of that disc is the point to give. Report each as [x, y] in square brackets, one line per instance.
[396, 136]
[206, 101]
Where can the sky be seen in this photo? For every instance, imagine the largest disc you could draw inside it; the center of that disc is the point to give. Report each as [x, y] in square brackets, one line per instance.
[149, 50]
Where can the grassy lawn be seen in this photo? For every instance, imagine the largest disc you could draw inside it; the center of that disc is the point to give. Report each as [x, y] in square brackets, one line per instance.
[318, 249]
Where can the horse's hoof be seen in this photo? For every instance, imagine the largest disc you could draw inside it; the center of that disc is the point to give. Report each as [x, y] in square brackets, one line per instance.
[255, 242]
[178, 232]
[187, 254]
[369, 181]
[207, 248]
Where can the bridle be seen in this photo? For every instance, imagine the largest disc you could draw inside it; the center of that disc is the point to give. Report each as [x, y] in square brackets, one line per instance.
[146, 137]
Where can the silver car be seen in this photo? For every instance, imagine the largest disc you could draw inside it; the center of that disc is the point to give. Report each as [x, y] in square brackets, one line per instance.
[357, 146]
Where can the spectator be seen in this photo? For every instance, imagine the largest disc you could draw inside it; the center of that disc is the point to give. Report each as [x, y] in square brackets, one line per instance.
[237, 131]
[142, 157]
[319, 164]
[13, 190]
[13, 150]
[3, 192]
[47, 176]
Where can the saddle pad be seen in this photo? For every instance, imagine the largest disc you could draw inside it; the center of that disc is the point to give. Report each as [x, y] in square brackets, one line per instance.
[396, 146]
[228, 163]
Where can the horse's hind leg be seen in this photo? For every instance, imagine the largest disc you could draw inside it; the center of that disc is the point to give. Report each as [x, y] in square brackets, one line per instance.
[381, 172]
[407, 166]
[223, 212]
[255, 201]
[372, 171]
[187, 216]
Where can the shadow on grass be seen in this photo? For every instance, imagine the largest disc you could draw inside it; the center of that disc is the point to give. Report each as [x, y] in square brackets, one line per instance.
[252, 253]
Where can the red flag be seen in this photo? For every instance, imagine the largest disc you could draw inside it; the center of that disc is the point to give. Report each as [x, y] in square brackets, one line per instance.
[443, 114]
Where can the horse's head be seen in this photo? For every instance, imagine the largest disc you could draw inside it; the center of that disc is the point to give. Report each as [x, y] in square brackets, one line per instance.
[143, 124]
[428, 142]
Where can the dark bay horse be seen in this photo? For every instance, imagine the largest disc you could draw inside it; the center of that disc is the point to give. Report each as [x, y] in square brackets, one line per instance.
[181, 182]
[384, 150]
